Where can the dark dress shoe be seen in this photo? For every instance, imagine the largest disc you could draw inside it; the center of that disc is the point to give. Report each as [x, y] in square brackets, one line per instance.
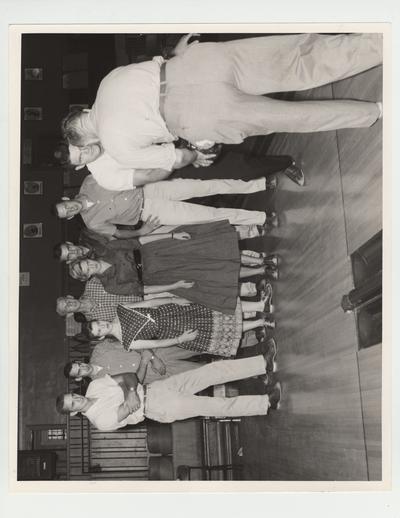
[271, 260]
[261, 334]
[271, 183]
[272, 379]
[271, 273]
[275, 396]
[294, 173]
[271, 221]
[270, 356]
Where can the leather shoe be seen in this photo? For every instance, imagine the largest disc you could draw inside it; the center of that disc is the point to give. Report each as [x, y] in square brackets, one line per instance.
[261, 334]
[271, 218]
[271, 183]
[271, 260]
[271, 221]
[271, 273]
[270, 355]
[274, 396]
[266, 298]
[294, 173]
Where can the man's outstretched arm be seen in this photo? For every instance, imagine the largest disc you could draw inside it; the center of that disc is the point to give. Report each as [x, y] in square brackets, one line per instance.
[143, 176]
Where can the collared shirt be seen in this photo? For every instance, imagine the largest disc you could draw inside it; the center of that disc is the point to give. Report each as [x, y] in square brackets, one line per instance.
[127, 119]
[105, 307]
[122, 277]
[108, 396]
[96, 371]
[112, 358]
[109, 207]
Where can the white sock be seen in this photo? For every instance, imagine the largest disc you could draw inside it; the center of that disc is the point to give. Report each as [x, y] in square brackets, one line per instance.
[380, 108]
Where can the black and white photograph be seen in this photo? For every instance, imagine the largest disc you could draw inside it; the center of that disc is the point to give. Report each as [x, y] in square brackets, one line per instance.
[205, 299]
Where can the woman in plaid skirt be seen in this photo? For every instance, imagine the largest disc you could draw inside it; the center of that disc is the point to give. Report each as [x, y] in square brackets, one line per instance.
[169, 321]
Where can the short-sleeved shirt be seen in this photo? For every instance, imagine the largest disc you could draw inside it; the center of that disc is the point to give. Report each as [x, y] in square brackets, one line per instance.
[126, 115]
[105, 303]
[109, 208]
[113, 359]
[122, 277]
[103, 414]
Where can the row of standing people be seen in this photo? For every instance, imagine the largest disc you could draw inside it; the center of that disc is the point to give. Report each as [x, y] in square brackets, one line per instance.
[127, 142]
[208, 318]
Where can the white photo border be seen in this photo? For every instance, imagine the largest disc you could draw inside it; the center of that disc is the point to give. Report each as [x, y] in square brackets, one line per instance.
[14, 187]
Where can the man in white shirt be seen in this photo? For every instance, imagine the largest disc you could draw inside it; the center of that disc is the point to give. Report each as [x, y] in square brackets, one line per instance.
[138, 124]
[215, 92]
[111, 175]
[112, 402]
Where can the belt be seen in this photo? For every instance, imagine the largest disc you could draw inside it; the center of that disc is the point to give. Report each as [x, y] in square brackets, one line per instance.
[138, 263]
[144, 397]
[163, 88]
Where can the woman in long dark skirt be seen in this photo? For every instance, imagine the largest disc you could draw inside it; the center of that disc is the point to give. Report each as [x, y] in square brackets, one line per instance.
[201, 263]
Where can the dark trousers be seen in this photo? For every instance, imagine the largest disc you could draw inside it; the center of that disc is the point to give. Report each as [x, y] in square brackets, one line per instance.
[237, 166]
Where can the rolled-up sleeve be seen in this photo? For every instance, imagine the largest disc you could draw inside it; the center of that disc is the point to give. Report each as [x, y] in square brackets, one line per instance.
[120, 180]
[127, 118]
[157, 156]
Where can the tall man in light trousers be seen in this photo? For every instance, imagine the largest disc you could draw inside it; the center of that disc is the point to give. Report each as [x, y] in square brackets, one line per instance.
[214, 91]
[102, 210]
[113, 402]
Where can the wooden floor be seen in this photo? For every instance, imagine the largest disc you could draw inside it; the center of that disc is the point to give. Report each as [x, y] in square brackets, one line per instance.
[320, 431]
